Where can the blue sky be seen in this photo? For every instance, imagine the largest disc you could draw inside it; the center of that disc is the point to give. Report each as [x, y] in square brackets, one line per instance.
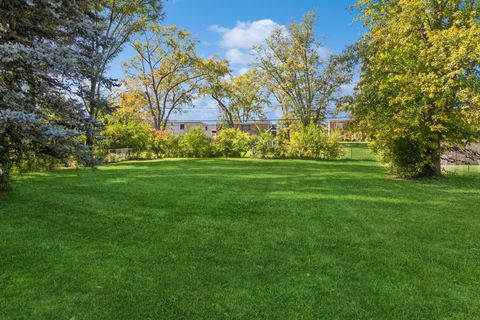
[229, 27]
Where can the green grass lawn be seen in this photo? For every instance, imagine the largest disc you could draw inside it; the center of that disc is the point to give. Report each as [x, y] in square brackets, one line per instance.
[239, 239]
[462, 169]
[357, 151]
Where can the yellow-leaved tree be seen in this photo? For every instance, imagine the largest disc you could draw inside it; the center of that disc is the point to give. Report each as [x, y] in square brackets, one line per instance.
[419, 90]
[164, 76]
[239, 98]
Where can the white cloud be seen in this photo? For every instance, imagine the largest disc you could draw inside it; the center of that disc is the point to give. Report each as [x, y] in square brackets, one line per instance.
[324, 53]
[240, 39]
[243, 70]
[245, 34]
[239, 56]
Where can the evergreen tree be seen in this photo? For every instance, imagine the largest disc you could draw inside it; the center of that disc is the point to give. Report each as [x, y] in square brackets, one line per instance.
[40, 59]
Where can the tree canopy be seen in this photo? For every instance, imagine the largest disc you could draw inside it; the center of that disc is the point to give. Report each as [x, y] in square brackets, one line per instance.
[240, 98]
[40, 57]
[164, 75]
[53, 58]
[419, 90]
[303, 81]
[114, 24]
[418, 93]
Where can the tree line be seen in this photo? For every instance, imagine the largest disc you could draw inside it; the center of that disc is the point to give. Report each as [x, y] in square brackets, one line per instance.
[54, 55]
[418, 93]
[167, 74]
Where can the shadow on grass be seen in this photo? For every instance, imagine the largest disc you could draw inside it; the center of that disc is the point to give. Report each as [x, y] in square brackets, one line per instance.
[137, 238]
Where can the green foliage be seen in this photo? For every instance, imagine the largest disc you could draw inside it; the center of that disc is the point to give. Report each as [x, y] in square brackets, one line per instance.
[282, 142]
[41, 60]
[265, 145]
[312, 142]
[294, 71]
[165, 144]
[127, 135]
[306, 142]
[241, 98]
[419, 92]
[405, 157]
[299, 142]
[332, 146]
[195, 144]
[164, 74]
[36, 163]
[233, 143]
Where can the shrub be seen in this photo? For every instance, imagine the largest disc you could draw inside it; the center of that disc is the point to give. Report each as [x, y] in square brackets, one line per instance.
[282, 142]
[165, 144]
[34, 163]
[196, 144]
[127, 135]
[233, 143]
[265, 145]
[404, 156]
[119, 155]
[305, 142]
[312, 142]
[332, 148]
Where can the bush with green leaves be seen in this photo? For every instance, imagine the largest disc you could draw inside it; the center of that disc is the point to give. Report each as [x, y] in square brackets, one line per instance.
[196, 144]
[404, 156]
[332, 148]
[165, 144]
[265, 145]
[233, 143]
[299, 142]
[313, 142]
[282, 142]
[127, 135]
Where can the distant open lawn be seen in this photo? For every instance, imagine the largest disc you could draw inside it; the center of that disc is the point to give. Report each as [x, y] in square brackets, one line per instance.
[239, 239]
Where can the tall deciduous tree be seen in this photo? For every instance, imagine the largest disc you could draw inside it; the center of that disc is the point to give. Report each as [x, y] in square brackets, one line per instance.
[249, 98]
[115, 23]
[241, 98]
[419, 92]
[302, 80]
[164, 75]
[40, 57]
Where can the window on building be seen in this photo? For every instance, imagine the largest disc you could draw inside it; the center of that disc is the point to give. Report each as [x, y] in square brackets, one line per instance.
[182, 126]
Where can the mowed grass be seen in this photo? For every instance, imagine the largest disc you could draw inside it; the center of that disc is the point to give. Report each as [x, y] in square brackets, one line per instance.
[239, 239]
[357, 151]
[462, 169]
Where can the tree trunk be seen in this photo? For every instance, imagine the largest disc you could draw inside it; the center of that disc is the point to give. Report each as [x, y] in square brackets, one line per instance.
[437, 167]
[90, 136]
[226, 112]
[434, 168]
[4, 180]
[156, 124]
